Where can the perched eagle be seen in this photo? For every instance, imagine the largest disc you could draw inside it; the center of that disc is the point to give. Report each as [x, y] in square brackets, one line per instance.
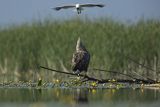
[81, 58]
[79, 7]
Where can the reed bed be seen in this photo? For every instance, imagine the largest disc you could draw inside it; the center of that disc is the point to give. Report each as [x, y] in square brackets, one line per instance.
[112, 45]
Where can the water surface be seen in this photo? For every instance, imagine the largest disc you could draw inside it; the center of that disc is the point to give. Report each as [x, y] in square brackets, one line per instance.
[58, 97]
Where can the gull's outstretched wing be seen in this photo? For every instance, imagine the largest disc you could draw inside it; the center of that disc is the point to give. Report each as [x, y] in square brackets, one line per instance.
[92, 5]
[63, 7]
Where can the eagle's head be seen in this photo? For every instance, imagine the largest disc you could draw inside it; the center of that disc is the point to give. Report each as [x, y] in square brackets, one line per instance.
[80, 46]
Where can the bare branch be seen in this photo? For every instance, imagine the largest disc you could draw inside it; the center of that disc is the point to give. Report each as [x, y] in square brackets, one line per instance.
[100, 81]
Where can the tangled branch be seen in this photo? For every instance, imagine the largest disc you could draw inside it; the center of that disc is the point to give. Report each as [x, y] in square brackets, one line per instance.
[101, 81]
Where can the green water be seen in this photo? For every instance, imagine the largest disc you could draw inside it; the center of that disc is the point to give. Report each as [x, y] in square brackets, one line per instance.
[24, 97]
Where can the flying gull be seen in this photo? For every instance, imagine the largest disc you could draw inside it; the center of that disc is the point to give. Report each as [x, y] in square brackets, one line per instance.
[78, 7]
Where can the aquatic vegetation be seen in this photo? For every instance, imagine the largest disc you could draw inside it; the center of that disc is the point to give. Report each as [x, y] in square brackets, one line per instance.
[51, 43]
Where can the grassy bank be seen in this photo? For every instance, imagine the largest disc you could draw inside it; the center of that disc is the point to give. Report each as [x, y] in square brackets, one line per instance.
[51, 43]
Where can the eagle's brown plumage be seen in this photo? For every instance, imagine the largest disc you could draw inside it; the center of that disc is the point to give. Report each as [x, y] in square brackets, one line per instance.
[81, 58]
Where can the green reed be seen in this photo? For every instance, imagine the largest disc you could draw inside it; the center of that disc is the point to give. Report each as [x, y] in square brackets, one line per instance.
[51, 43]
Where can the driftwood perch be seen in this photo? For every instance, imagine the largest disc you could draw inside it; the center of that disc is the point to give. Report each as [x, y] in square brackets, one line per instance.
[101, 81]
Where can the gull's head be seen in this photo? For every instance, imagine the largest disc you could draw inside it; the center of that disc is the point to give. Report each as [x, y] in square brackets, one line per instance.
[77, 5]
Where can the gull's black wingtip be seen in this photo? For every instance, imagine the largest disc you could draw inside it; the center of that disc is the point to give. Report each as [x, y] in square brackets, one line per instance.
[102, 5]
[56, 8]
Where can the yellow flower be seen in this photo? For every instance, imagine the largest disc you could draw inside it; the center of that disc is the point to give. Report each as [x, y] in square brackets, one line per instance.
[94, 84]
[113, 80]
[57, 80]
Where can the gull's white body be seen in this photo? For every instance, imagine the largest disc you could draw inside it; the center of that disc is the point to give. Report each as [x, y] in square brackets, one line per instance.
[79, 7]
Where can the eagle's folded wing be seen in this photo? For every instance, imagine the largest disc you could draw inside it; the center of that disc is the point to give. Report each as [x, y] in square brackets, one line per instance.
[77, 58]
